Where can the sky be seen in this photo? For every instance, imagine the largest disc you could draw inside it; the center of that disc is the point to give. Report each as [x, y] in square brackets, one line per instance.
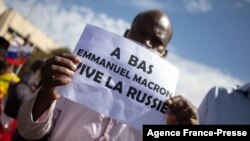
[210, 44]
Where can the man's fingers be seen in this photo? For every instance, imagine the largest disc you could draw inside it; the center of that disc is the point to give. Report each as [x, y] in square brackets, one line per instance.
[58, 70]
[75, 59]
[59, 81]
[64, 62]
[178, 103]
[53, 65]
[183, 110]
[171, 119]
[190, 121]
[189, 112]
[175, 99]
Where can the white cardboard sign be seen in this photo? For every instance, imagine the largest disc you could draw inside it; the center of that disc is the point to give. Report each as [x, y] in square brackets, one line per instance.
[121, 79]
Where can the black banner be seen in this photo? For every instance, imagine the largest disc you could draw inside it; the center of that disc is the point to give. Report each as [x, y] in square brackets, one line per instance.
[163, 132]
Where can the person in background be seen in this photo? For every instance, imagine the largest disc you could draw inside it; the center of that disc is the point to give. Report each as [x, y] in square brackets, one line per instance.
[226, 105]
[49, 114]
[22, 91]
[7, 77]
[6, 70]
[4, 44]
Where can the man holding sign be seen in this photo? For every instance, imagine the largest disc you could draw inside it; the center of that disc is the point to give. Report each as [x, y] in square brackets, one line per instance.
[64, 120]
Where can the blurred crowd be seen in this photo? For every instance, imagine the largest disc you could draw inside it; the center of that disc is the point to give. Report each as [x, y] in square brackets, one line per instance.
[14, 90]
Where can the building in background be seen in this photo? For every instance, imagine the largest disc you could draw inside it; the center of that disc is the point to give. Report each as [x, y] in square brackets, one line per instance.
[19, 30]
[16, 28]
[2, 7]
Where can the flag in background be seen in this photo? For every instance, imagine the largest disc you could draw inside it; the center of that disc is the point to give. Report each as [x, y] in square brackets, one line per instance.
[18, 55]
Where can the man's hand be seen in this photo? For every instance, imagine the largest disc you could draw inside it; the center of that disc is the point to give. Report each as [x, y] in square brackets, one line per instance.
[58, 70]
[181, 111]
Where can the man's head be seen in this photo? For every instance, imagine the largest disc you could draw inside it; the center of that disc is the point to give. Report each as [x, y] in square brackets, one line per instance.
[152, 29]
